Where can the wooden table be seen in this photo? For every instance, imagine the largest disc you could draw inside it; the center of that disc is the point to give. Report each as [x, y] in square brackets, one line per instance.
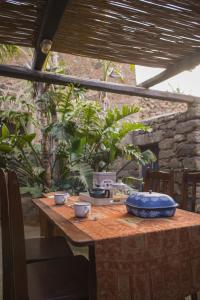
[53, 224]
[179, 236]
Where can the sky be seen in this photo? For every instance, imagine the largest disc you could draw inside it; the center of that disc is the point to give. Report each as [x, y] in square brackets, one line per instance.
[187, 82]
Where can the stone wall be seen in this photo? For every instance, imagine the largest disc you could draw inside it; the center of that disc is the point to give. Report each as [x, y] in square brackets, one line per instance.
[178, 139]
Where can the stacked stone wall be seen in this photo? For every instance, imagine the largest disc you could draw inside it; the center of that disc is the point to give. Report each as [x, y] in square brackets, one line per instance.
[178, 139]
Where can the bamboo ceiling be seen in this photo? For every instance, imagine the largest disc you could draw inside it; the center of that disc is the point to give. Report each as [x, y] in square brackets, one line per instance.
[154, 33]
[144, 32]
[20, 21]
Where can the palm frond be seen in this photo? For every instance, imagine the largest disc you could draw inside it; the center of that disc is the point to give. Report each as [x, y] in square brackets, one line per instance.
[114, 115]
[127, 127]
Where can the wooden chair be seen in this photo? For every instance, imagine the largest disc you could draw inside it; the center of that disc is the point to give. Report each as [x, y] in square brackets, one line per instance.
[40, 249]
[159, 181]
[190, 181]
[6, 243]
[189, 197]
[65, 279]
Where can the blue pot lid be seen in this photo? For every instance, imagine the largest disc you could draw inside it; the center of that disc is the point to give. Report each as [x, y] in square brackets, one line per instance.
[148, 200]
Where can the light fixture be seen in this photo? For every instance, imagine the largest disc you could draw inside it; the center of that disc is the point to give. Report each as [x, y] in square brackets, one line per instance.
[46, 46]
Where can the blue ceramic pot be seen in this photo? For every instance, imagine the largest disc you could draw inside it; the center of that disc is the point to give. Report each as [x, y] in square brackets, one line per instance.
[151, 205]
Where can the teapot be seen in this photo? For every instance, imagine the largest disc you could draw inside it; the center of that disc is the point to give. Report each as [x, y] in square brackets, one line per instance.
[99, 192]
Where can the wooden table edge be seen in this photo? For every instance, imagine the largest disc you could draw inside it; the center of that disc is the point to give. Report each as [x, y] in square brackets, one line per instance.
[83, 240]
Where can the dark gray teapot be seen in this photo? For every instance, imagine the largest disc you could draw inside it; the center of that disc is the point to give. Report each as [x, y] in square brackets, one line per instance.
[99, 192]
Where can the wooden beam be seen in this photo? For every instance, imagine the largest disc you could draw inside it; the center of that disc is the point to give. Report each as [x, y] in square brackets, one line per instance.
[187, 63]
[27, 74]
[51, 20]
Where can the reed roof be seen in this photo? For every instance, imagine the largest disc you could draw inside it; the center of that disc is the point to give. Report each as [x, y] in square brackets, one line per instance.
[144, 32]
[20, 21]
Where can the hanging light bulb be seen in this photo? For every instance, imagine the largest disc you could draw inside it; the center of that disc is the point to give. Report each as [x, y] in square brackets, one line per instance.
[46, 46]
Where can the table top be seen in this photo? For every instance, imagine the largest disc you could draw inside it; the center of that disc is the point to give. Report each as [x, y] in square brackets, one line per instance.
[107, 222]
[134, 257]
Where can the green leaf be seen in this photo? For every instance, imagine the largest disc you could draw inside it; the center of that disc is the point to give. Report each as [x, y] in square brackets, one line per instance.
[132, 67]
[132, 180]
[5, 131]
[38, 171]
[78, 145]
[5, 148]
[22, 140]
[28, 137]
[83, 173]
[112, 154]
[127, 127]
[35, 191]
[148, 156]
[131, 151]
[7, 51]
[115, 115]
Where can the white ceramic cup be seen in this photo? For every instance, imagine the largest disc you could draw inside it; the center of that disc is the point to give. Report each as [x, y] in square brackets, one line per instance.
[82, 209]
[60, 197]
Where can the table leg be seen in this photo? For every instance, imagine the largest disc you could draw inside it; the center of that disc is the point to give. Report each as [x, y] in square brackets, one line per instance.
[92, 274]
[46, 227]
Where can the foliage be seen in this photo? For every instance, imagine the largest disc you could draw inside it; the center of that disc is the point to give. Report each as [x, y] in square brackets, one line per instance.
[34, 189]
[85, 139]
[7, 51]
[109, 68]
[77, 135]
[85, 134]
[76, 178]
[18, 152]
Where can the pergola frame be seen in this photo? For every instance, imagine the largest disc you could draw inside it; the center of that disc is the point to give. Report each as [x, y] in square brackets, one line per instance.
[185, 64]
[52, 18]
[124, 89]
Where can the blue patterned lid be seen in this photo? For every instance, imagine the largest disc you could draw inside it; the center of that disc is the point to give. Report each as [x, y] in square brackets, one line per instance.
[149, 200]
